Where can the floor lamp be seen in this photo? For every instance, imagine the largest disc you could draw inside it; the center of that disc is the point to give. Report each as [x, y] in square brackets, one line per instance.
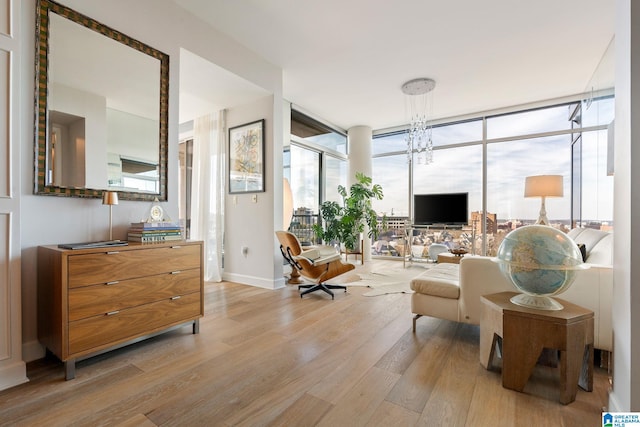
[110, 198]
[543, 186]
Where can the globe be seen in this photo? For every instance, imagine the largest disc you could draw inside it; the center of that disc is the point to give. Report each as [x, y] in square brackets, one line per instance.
[540, 261]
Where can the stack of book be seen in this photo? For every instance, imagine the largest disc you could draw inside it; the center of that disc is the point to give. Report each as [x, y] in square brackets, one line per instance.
[149, 232]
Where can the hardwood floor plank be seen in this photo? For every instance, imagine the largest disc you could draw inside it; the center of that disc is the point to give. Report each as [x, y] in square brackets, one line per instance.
[307, 410]
[138, 420]
[322, 369]
[404, 352]
[49, 405]
[390, 414]
[347, 374]
[448, 404]
[418, 381]
[358, 406]
[491, 404]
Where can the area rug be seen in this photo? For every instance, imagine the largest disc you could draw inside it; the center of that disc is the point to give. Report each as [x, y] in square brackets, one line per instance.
[392, 288]
[382, 282]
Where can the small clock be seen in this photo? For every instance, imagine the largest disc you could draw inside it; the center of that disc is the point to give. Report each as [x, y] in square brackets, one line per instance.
[156, 213]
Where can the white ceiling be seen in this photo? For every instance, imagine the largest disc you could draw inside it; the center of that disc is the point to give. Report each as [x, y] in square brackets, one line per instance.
[345, 60]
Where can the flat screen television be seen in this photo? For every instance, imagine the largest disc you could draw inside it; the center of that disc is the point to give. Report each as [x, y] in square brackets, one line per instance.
[441, 209]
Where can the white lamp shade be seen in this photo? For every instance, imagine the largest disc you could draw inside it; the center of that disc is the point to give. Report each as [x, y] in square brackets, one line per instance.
[287, 204]
[543, 186]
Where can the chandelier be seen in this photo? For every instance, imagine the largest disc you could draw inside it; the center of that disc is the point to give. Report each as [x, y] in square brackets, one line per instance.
[420, 104]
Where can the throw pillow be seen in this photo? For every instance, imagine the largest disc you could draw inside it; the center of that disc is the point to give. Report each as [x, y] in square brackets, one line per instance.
[583, 251]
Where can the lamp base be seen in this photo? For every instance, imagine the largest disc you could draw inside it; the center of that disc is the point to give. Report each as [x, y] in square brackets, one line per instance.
[536, 302]
[542, 218]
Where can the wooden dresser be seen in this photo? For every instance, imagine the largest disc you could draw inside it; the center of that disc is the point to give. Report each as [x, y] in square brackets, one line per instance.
[91, 300]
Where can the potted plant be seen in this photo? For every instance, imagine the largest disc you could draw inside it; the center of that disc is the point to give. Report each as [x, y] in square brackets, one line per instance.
[345, 223]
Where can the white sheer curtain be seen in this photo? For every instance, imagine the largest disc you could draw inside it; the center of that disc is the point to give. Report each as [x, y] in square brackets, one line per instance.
[207, 190]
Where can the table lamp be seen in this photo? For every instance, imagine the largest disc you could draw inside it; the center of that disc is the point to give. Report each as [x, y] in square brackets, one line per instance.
[543, 186]
[110, 198]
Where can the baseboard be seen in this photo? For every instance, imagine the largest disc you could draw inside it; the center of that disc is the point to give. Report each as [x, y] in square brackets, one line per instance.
[32, 350]
[13, 375]
[254, 281]
[614, 404]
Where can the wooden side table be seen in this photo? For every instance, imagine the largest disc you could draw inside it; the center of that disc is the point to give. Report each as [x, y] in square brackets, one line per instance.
[449, 258]
[356, 253]
[526, 332]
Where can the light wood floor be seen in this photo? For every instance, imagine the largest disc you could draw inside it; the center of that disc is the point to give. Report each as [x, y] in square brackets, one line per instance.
[271, 358]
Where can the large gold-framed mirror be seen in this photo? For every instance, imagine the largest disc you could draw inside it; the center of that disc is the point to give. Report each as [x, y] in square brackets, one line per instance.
[101, 109]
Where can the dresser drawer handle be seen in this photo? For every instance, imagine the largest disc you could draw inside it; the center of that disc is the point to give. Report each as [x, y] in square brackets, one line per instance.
[175, 298]
[111, 313]
[176, 247]
[112, 283]
[113, 252]
[176, 272]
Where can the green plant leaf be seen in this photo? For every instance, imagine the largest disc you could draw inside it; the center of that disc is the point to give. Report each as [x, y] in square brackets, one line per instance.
[346, 223]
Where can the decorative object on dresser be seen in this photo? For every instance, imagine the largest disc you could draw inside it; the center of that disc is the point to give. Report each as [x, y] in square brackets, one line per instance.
[110, 198]
[157, 227]
[92, 300]
[151, 232]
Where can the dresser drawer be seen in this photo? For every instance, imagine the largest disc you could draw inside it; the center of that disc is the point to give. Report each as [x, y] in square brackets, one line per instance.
[92, 300]
[94, 333]
[108, 266]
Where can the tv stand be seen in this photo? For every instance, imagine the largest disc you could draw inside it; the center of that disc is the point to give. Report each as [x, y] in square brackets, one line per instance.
[437, 226]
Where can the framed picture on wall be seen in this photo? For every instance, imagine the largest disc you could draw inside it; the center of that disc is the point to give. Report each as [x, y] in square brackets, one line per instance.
[246, 158]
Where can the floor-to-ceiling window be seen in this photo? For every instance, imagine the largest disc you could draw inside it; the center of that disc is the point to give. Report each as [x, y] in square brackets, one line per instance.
[489, 158]
[592, 154]
[315, 164]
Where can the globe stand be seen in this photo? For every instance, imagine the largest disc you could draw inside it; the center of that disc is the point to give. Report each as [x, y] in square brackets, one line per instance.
[536, 302]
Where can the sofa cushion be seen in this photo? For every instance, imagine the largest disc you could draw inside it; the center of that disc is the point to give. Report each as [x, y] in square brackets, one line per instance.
[602, 253]
[588, 236]
[598, 244]
[583, 251]
[441, 280]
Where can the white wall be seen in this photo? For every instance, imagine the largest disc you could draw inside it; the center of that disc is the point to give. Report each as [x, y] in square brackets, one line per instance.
[626, 283]
[164, 26]
[250, 217]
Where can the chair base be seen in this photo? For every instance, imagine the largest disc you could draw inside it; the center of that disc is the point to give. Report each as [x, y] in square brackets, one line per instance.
[320, 287]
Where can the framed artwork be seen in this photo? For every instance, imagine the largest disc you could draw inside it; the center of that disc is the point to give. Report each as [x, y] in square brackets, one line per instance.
[246, 158]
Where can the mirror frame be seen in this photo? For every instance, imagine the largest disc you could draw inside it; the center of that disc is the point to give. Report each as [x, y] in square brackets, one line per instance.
[44, 7]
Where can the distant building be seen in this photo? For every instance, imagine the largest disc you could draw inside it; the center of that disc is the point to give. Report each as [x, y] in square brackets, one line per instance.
[492, 222]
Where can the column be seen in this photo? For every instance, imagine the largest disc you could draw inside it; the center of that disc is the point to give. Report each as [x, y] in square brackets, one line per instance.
[360, 141]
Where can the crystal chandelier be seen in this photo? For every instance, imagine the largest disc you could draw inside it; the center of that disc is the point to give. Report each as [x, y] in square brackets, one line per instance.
[420, 103]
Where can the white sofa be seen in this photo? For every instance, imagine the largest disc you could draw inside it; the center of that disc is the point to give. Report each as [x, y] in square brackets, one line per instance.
[453, 292]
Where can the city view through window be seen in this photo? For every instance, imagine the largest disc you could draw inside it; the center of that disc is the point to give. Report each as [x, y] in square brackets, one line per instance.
[568, 140]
